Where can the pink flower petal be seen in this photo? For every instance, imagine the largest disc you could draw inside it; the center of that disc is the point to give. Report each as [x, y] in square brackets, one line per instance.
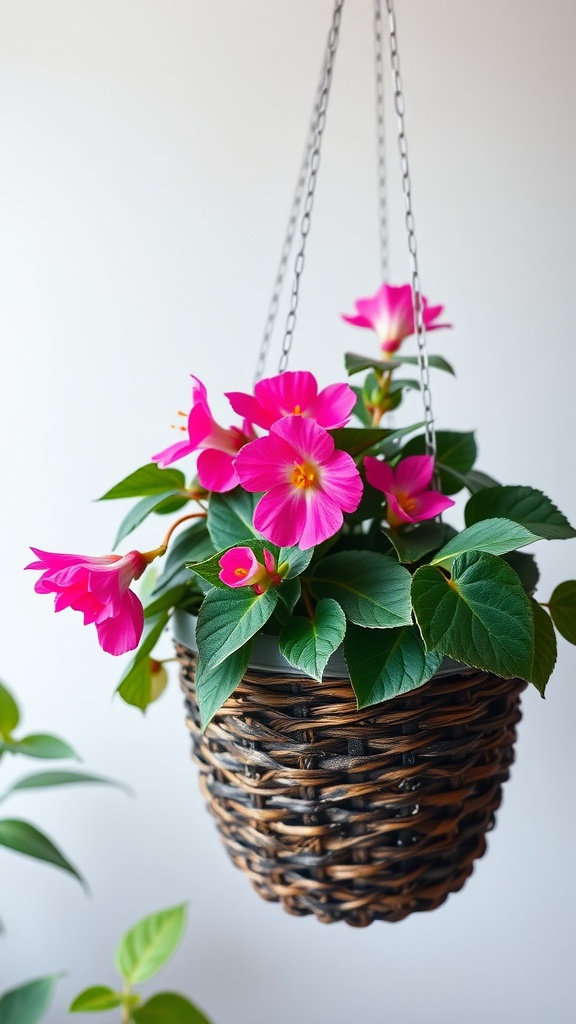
[413, 474]
[175, 451]
[358, 321]
[333, 406]
[250, 409]
[269, 560]
[200, 425]
[309, 440]
[238, 567]
[323, 519]
[429, 505]
[396, 509]
[122, 633]
[288, 393]
[378, 473]
[265, 462]
[216, 471]
[342, 482]
[280, 515]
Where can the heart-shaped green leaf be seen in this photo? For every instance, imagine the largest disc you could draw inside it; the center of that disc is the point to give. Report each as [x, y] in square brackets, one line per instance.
[386, 662]
[230, 518]
[481, 616]
[373, 590]
[545, 649]
[495, 536]
[524, 505]
[308, 644]
[227, 619]
[215, 686]
[563, 610]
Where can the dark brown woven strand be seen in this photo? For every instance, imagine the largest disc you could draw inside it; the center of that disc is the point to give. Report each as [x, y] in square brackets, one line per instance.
[350, 815]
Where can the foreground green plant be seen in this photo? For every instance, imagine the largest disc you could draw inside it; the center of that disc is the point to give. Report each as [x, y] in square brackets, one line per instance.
[15, 833]
[141, 953]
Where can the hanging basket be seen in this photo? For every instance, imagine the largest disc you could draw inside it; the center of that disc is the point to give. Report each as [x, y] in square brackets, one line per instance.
[354, 815]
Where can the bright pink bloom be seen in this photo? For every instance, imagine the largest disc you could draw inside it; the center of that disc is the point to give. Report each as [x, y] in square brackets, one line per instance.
[240, 568]
[97, 587]
[390, 312]
[405, 488]
[217, 446]
[294, 392]
[308, 483]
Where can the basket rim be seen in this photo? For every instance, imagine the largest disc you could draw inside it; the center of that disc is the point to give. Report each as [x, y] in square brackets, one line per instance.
[266, 655]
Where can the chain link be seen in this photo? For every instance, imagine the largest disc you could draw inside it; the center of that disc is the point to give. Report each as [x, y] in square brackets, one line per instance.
[290, 231]
[381, 141]
[305, 223]
[423, 365]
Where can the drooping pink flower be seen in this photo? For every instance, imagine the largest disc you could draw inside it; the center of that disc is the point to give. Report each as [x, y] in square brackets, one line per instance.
[240, 568]
[294, 392]
[217, 446]
[97, 587]
[407, 497]
[390, 312]
[308, 484]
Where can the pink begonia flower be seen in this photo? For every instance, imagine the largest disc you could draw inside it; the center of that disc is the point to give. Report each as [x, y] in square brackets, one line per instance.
[240, 568]
[97, 587]
[405, 488]
[308, 484]
[294, 392]
[390, 312]
[217, 446]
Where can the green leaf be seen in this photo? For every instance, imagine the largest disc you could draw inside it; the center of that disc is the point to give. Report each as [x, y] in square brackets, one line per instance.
[495, 536]
[289, 593]
[22, 837]
[146, 947]
[476, 480]
[230, 518]
[390, 447]
[297, 559]
[139, 513]
[403, 385]
[360, 410]
[481, 616]
[545, 649]
[168, 1008]
[41, 745]
[524, 505]
[41, 780]
[227, 619]
[145, 682]
[215, 686]
[210, 568]
[385, 663]
[356, 363]
[308, 644]
[563, 610]
[455, 451]
[413, 542]
[357, 440]
[525, 568]
[9, 714]
[136, 685]
[27, 1003]
[192, 545]
[168, 599]
[149, 479]
[373, 590]
[97, 997]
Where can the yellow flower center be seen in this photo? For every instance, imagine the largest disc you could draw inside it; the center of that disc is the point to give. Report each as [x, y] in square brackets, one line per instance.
[240, 572]
[297, 411]
[405, 501]
[304, 475]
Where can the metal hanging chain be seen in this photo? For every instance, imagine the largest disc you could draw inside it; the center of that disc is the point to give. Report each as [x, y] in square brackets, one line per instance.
[423, 365]
[333, 38]
[381, 141]
[290, 230]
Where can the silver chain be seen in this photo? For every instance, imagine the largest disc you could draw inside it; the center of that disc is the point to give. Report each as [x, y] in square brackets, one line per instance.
[290, 231]
[305, 223]
[407, 190]
[381, 141]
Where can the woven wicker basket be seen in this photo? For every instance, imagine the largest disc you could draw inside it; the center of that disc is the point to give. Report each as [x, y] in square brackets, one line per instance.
[350, 815]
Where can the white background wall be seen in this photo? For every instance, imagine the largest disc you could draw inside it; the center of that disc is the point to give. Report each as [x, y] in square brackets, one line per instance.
[149, 153]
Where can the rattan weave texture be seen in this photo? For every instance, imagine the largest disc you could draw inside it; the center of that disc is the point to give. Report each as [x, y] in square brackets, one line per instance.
[351, 815]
